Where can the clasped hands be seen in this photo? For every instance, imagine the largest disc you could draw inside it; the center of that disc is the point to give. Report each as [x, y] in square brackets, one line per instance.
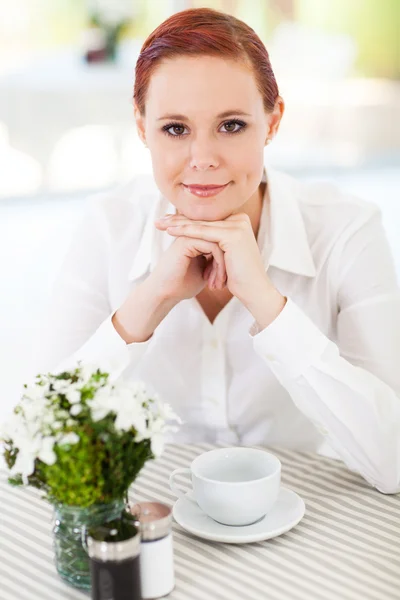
[243, 270]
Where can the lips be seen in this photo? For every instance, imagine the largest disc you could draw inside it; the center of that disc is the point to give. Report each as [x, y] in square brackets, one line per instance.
[205, 191]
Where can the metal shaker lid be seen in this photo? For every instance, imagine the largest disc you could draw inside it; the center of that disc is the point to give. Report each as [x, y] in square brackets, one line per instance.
[116, 540]
[155, 519]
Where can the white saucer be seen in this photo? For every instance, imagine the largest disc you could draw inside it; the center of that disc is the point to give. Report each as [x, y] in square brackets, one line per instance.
[285, 514]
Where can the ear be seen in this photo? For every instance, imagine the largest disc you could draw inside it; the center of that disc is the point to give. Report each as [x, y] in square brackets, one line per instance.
[275, 118]
[139, 118]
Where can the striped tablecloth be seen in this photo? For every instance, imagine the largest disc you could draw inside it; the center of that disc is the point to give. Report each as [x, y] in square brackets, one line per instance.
[347, 547]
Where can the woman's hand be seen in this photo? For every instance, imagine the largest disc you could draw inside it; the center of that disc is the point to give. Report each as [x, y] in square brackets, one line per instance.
[185, 267]
[246, 275]
[181, 273]
[234, 236]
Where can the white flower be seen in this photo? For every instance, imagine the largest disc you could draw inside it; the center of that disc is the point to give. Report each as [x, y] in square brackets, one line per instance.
[49, 418]
[46, 453]
[129, 410]
[31, 447]
[21, 433]
[85, 374]
[157, 444]
[8, 427]
[35, 391]
[102, 403]
[62, 414]
[24, 465]
[75, 409]
[119, 400]
[38, 425]
[69, 438]
[60, 385]
[129, 417]
[167, 413]
[73, 396]
[156, 424]
[134, 409]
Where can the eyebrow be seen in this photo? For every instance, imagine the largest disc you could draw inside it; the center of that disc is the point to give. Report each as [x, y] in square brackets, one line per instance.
[226, 113]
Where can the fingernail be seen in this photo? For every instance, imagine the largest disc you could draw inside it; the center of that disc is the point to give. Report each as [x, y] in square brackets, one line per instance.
[165, 217]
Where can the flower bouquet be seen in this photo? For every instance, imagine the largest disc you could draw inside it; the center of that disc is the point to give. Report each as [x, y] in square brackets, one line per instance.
[82, 439]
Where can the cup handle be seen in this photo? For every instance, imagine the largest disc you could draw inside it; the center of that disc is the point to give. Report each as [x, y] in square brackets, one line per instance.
[174, 486]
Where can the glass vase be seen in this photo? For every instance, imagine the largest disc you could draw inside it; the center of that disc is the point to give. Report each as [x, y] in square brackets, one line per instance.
[71, 558]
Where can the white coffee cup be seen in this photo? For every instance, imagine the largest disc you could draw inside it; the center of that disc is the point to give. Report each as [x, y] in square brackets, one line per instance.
[234, 486]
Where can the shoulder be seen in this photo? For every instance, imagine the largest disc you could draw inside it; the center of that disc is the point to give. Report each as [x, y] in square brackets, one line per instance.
[327, 210]
[125, 206]
[334, 208]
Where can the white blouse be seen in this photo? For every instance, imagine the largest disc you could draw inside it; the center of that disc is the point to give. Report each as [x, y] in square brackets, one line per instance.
[324, 376]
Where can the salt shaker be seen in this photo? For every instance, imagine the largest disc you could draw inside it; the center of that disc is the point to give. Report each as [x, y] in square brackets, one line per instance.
[156, 549]
[114, 551]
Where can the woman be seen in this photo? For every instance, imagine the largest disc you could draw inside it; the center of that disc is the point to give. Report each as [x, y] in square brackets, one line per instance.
[263, 309]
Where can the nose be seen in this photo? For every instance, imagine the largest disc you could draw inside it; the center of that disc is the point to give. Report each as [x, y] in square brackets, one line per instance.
[203, 154]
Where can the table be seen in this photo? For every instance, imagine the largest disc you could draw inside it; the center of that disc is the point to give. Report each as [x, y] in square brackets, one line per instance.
[347, 547]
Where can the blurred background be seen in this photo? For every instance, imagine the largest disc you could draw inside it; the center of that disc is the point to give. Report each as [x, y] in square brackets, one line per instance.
[67, 130]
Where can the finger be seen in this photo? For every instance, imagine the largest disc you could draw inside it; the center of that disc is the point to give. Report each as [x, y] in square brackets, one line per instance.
[213, 276]
[202, 247]
[204, 232]
[209, 281]
[172, 220]
[220, 273]
[219, 269]
[208, 270]
[222, 283]
[165, 224]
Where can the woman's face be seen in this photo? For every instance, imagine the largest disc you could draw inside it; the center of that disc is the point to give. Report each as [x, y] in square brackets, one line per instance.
[205, 125]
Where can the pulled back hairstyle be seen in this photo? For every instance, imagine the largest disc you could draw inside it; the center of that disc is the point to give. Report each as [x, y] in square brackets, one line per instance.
[207, 32]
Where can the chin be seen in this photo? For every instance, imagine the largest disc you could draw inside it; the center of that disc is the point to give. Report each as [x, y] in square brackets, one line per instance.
[206, 212]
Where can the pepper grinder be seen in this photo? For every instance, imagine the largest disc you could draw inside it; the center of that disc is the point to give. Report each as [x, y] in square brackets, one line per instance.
[114, 551]
[156, 549]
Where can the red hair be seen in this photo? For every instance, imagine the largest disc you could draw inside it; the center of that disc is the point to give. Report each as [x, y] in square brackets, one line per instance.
[204, 31]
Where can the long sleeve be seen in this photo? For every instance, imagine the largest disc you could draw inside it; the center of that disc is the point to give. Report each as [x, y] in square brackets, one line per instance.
[350, 389]
[77, 323]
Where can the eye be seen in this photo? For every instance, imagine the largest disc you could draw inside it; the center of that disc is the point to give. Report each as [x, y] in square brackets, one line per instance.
[234, 126]
[178, 130]
[174, 130]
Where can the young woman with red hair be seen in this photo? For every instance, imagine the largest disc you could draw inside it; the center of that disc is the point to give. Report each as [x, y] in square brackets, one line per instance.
[263, 309]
